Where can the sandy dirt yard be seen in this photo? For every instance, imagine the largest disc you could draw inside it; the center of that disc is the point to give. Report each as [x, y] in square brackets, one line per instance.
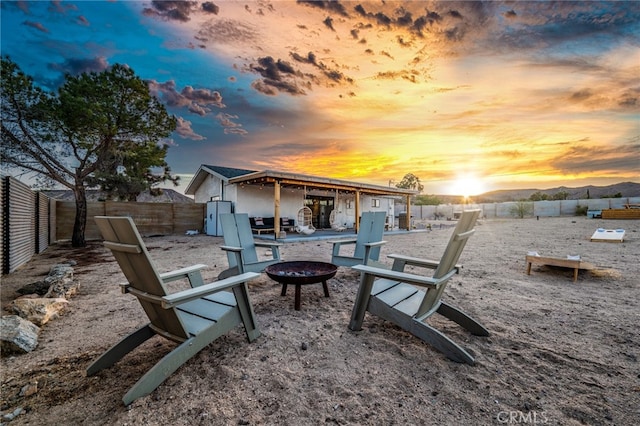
[559, 353]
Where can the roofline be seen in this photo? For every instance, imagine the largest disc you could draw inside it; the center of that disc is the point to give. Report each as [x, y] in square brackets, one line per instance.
[196, 180]
[271, 176]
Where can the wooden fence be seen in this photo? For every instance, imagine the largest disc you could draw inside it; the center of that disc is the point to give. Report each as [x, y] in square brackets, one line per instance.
[31, 220]
[150, 218]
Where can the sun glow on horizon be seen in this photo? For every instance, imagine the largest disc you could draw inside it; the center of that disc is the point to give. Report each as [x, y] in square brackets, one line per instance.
[467, 186]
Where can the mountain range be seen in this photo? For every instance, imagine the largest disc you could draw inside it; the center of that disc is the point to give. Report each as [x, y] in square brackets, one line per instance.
[625, 189]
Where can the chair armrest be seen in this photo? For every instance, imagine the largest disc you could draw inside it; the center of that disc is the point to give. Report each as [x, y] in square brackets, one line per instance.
[375, 244]
[403, 276]
[400, 261]
[192, 273]
[345, 241]
[181, 273]
[231, 248]
[180, 297]
[266, 244]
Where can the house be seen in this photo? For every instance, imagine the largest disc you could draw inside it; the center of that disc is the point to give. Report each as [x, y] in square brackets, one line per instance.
[281, 194]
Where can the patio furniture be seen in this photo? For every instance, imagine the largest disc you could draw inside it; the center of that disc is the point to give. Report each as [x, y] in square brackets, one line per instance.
[193, 318]
[367, 243]
[305, 222]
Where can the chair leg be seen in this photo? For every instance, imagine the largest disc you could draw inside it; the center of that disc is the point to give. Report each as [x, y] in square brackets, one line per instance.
[246, 312]
[120, 349]
[441, 342]
[362, 302]
[164, 368]
[464, 320]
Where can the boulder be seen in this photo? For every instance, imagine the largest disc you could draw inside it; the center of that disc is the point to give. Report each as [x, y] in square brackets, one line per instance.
[60, 282]
[17, 335]
[40, 310]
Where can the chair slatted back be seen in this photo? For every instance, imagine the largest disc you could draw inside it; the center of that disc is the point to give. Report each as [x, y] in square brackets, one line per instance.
[122, 238]
[370, 230]
[236, 231]
[463, 230]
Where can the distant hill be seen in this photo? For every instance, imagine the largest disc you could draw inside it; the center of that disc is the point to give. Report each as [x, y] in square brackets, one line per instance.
[627, 189]
[165, 196]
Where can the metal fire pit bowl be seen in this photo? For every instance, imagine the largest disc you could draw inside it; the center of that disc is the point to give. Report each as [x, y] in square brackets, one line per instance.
[300, 273]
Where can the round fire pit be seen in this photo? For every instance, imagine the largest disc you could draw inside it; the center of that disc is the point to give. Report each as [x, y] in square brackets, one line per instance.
[301, 273]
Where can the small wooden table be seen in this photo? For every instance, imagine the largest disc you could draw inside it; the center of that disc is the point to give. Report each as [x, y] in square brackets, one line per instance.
[574, 264]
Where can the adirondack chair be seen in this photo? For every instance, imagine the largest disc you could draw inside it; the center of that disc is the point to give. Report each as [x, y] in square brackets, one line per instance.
[393, 294]
[193, 318]
[241, 248]
[367, 243]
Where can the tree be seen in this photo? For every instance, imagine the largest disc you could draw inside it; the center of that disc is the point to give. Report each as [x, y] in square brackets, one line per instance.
[129, 172]
[410, 181]
[521, 209]
[73, 134]
[427, 200]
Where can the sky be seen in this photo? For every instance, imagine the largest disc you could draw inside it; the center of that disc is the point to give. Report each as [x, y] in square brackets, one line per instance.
[467, 96]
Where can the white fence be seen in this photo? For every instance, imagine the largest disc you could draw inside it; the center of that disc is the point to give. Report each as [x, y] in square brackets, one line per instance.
[505, 210]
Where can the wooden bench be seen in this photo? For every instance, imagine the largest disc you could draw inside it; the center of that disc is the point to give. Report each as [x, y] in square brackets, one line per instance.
[576, 265]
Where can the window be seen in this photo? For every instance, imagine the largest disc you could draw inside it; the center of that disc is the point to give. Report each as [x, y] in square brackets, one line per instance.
[349, 204]
[375, 202]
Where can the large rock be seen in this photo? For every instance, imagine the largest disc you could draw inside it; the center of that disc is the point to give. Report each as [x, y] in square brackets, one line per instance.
[60, 281]
[17, 335]
[40, 310]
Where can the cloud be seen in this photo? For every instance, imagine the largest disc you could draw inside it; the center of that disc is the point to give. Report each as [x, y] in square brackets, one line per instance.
[75, 66]
[183, 128]
[83, 21]
[210, 7]
[37, 25]
[175, 10]
[197, 101]
[230, 127]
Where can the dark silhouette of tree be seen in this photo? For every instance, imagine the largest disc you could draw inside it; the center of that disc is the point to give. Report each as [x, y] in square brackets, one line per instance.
[72, 135]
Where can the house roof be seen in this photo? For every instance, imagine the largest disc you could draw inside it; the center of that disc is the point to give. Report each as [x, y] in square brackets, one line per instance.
[269, 177]
[224, 173]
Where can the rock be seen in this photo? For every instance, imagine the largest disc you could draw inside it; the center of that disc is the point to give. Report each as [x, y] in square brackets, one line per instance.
[39, 311]
[17, 335]
[60, 281]
[39, 287]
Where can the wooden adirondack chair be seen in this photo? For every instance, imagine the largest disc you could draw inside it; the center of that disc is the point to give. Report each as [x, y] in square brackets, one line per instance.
[395, 297]
[193, 318]
[367, 243]
[241, 247]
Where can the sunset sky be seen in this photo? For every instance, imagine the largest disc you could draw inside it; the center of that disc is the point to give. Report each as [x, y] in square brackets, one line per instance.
[468, 96]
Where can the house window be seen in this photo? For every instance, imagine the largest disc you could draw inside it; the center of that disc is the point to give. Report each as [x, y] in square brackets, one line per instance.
[375, 202]
[349, 204]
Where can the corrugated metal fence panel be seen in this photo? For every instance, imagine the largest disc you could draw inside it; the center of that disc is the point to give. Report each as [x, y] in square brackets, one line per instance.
[3, 246]
[42, 237]
[52, 220]
[21, 223]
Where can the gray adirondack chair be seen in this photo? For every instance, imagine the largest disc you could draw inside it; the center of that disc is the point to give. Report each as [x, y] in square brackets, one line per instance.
[193, 318]
[241, 248]
[367, 243]
[395, 295]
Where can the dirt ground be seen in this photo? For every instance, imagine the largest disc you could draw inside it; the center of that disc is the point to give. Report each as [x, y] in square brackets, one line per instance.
[559, 353]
